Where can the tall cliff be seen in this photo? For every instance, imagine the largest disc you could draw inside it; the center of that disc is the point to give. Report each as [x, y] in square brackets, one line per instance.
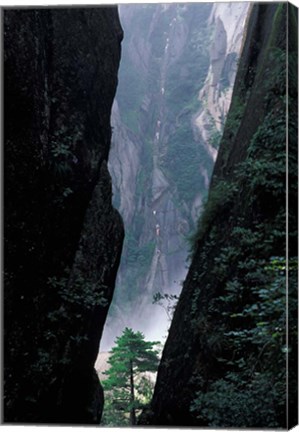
[228, 21]
[165, 140]
[233, 334]
[63, 238]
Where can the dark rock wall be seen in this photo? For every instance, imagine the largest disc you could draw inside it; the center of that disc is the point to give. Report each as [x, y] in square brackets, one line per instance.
[63, 238]
[242, 227]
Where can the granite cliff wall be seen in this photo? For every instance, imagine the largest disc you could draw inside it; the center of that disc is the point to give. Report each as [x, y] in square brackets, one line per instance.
[224, 361]
[63, 238]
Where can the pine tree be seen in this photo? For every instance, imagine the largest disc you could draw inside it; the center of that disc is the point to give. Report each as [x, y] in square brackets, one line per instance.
[125, 385]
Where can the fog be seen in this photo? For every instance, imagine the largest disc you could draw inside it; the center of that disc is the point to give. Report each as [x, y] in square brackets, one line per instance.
[166, 132]
[153, 320]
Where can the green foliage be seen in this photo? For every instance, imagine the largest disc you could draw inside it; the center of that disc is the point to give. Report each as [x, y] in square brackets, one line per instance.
[231, 402]
[136, 254]
[138, 257]
[76, 298]
[127, 388]
[82, 292]
[167, 301]
[245, 309]
[253, 390]
[184, 157]
[183, 160]
[224, 79]
[61, 151]
[264, 170]
[215, 138]
[131, 347]
[220, 197]
[194, 61]
[233, 120]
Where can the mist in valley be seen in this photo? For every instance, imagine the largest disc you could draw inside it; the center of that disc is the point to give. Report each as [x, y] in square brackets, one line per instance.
[175, 83]
[148, 276]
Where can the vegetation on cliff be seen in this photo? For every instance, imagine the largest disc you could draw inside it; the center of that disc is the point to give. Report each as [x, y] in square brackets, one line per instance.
[162, 178]
[231, 356]
[235, 326]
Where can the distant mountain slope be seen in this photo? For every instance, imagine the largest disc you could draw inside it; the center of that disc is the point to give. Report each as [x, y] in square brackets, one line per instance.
[165, 140]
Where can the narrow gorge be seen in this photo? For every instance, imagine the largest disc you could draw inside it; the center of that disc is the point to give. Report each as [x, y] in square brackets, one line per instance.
[150, 195]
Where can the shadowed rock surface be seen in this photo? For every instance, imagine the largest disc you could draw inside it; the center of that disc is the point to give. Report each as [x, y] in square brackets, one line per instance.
[218, 367]
[63, 238]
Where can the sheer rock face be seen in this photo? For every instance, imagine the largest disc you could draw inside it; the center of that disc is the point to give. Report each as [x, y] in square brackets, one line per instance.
[63, 238]
[197, 344]
[124, 164]
[161, 157]
[228, 20]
